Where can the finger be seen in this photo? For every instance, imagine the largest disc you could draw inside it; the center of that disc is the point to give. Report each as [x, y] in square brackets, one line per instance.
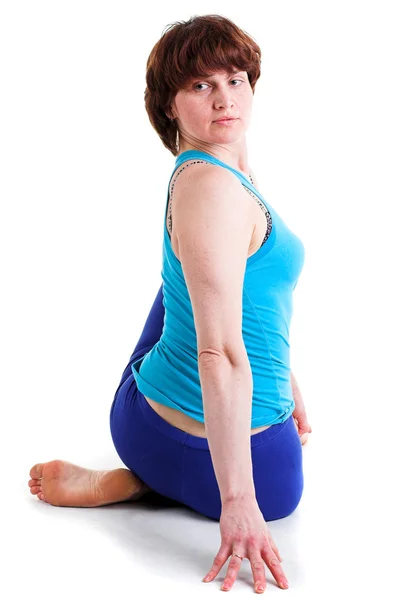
[274, 566]
[219, 561]
[233, 569]
[303, 431]
[275, 548]
[304, 438]
[302, 426]
[258, 568]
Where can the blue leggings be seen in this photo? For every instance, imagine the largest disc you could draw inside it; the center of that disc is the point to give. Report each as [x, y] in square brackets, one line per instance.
[178, 465]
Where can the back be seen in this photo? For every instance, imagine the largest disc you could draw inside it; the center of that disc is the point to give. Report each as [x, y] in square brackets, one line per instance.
[168, 373]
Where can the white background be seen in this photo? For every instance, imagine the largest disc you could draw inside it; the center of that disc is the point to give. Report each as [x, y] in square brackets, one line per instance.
[83, 189]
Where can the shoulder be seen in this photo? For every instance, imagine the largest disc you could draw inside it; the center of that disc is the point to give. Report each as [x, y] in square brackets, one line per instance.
[205, 174]
[207, 192]
[213, 219]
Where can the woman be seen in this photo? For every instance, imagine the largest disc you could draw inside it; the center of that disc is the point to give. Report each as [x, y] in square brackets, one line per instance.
[212, 361]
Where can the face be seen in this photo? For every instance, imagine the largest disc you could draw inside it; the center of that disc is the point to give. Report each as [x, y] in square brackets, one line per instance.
[205, 100]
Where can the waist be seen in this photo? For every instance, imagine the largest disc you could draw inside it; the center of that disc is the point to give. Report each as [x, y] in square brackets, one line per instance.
[185, 423]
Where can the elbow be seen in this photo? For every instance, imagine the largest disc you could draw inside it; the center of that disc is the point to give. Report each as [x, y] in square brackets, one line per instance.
[234, 355]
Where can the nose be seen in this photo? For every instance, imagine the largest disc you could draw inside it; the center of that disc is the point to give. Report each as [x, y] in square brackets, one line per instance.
[224, 98]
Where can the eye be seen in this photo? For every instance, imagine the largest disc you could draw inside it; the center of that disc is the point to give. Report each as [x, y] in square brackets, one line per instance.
[197, 84]
[232, 80]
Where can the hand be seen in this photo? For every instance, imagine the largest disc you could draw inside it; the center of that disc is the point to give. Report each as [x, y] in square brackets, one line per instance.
[244, 532]
[299, 416]
[304, 435]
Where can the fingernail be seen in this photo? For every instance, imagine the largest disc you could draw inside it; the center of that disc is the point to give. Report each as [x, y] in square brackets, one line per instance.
[260, 588]
[207, 578]
[284, 584]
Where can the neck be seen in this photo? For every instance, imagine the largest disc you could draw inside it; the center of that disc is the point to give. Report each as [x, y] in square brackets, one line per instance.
[235, 157]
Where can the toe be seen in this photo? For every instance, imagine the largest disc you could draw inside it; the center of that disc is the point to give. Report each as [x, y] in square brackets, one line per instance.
[33, 482]
[36, 471]
[35, 489]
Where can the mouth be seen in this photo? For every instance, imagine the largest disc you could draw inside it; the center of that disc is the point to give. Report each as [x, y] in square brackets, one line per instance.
[225, 120]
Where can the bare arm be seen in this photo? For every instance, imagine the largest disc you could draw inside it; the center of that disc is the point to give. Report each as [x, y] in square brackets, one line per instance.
[293, 380]
[227, 389]
[214, 229]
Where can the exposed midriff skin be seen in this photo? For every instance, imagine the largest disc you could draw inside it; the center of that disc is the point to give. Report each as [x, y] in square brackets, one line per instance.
[171, 415]
[183, 421]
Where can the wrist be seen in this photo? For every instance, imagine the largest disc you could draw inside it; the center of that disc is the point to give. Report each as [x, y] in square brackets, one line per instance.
[239, 496]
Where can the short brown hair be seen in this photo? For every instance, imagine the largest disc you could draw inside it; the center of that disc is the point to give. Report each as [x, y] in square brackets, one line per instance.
[192, 49]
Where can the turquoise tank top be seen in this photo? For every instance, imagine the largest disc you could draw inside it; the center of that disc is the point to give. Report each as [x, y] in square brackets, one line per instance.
[168, 373]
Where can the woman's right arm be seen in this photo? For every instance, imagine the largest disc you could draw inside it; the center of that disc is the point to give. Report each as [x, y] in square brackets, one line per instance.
[214, 228]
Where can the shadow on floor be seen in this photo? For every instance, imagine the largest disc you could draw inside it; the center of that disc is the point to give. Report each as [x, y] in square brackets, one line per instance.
[153, 498]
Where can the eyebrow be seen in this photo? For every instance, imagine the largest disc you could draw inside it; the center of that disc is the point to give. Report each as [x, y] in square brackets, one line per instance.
[230, 73]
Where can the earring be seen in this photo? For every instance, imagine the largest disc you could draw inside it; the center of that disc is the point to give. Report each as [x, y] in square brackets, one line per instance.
[177, 136]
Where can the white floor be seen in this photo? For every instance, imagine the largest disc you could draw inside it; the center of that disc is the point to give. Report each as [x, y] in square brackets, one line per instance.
[329, 544]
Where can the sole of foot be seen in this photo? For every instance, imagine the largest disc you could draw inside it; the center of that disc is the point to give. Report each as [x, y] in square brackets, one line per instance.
[62, 483]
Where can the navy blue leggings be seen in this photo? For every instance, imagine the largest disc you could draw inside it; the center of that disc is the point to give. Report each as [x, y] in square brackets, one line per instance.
[178, 465]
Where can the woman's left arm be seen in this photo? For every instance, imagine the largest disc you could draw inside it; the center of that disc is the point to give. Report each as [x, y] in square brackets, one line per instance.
[299, 413]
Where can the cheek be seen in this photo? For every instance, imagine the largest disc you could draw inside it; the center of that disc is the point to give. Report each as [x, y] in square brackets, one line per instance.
[248, 99]
[247, 107]
[197, 116]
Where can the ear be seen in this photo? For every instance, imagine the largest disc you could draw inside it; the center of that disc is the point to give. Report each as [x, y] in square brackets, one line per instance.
[169, 113]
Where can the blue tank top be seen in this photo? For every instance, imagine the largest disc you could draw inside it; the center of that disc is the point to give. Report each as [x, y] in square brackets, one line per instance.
[168, 373]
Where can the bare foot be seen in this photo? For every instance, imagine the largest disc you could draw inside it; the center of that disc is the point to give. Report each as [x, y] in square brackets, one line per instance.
[61, 483]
